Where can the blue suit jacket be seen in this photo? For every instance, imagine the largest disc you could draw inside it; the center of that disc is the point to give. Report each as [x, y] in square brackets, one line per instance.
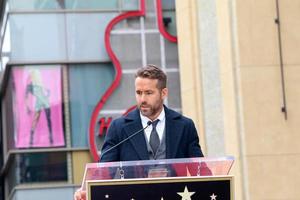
[181, 138]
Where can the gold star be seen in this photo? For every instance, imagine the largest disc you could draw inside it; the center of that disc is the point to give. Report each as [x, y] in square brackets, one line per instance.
[213, 197]
[186, 195]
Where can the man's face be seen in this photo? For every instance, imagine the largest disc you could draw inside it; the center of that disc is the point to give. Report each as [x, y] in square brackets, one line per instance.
[149, 98]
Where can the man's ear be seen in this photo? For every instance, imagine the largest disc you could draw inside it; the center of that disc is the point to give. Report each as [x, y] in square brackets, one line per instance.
[164, 93]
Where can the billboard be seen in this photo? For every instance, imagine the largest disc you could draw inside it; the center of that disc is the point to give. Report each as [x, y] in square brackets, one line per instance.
[37, 106]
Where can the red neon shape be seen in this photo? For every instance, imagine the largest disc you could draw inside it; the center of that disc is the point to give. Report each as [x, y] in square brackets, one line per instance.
[161, 26]
[104, 125]
[129, 110]
[118, 75]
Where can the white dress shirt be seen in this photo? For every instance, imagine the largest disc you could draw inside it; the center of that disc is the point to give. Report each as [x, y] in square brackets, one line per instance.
[160, 127]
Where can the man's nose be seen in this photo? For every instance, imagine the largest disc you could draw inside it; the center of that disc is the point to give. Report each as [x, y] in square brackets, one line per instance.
[143, 97]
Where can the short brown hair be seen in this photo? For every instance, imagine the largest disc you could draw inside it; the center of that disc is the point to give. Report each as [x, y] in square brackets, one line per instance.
[153, 72]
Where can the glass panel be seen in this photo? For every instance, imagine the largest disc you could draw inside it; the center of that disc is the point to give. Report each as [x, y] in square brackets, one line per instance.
[170, 22]
[128, 50]
[37, 37]
[6, 47]
[36, 4]
[8, 115]
[36, 193]
[130, 4]
[151, 21]
[168, 4]
[153, 48]
[91, 4]
[174, 90]
[88, 82]
[37, 99]
[12, 177]
[128, 24]
[73, 4]
[150, 18]
[124, 96]
[85, 35]
[150, 6]
[42, 167]
[171, 53]
[36, 168]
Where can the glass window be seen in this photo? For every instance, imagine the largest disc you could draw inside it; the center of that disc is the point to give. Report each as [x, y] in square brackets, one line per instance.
[6, 47]
[43, 167]
[37, 37]
[37, 106]
[35, 4]
[50, 193]
[91, 4]
[87, 83]
[169, 18]
[168, 4]
[18, 5]
[124, 96]
[8, 116]
[85, 35]
[130, 4]
[128, 50]
[37, 167]
[12, 177]
[52, 37]
[171, 54]
[153, 48]
[174, 90]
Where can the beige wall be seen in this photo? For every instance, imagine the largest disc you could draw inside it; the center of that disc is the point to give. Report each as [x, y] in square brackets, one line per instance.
[190, 73]
[272, 149]
[79, 160]
[189, 64]
[264, 144]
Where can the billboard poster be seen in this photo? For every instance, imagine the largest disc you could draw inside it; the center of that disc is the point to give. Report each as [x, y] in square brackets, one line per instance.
[37, 106]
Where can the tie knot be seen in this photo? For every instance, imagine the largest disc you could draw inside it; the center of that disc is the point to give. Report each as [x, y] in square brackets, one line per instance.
[154, 123]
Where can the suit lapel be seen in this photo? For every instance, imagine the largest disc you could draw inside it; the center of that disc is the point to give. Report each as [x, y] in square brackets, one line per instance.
[138, 142]
[174, 131]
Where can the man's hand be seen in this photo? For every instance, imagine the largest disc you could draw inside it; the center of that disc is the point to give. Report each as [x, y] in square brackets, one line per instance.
[80, 195]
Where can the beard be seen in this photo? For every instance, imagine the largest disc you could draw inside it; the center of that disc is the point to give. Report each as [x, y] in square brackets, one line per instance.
[150, 110]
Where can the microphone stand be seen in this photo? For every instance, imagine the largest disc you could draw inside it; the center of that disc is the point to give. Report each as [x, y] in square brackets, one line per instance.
[134, 134]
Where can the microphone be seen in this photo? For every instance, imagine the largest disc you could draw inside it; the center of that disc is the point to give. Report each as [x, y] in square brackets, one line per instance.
[122, 141]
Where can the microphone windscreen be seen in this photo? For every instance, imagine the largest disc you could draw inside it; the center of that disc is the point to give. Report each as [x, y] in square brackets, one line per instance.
[149, 123]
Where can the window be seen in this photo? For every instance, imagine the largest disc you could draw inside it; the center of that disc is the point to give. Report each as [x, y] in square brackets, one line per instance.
[87, 83]
[36, 168]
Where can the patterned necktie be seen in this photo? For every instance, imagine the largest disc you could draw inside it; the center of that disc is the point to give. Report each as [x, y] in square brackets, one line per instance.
[154, 139]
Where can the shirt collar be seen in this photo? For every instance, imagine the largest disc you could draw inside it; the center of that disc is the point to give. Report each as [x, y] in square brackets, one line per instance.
[161, 117]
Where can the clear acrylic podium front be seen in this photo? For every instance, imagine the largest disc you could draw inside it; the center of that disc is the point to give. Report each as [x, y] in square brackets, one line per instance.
[185, 167]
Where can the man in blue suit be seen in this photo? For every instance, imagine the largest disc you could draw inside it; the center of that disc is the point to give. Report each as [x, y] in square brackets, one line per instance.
[177, 135]
[174, 135]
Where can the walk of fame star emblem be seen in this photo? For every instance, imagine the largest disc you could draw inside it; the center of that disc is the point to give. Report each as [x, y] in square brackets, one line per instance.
[213, 197]
[186, 195]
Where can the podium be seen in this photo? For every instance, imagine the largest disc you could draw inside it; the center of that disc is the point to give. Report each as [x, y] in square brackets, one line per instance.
[169, 179]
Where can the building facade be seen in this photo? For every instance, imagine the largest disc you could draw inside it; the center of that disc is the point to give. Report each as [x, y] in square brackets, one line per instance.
[67, 70]
[245, 76]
